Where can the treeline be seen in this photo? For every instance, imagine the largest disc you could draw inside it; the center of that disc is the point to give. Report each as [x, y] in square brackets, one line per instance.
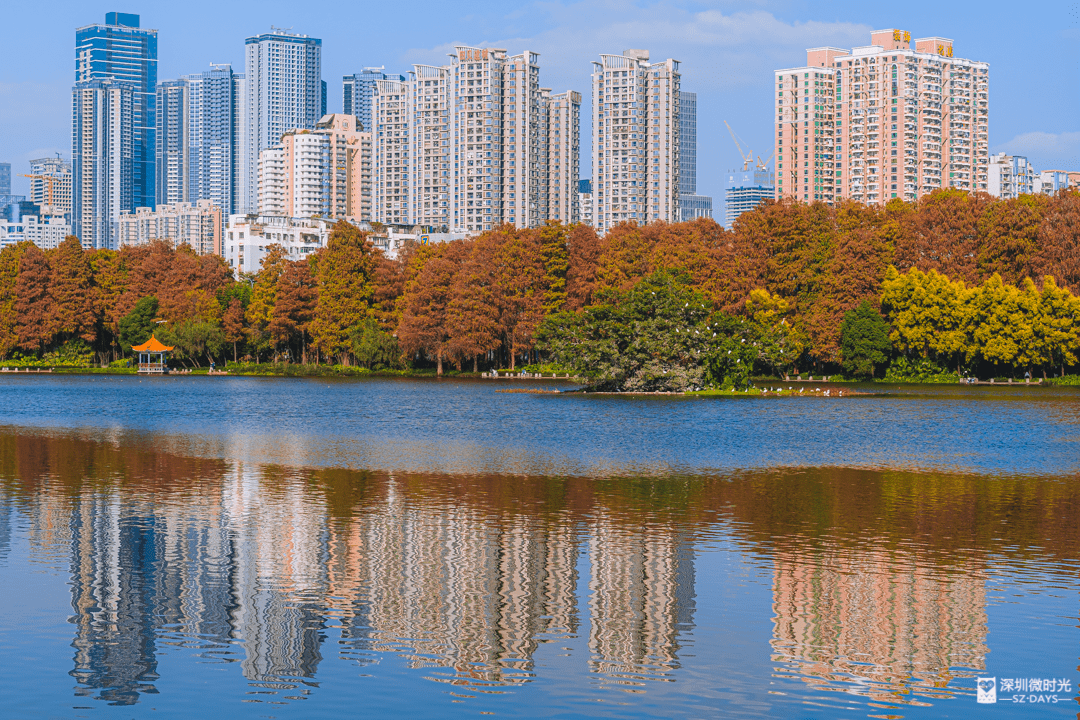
[480, 302]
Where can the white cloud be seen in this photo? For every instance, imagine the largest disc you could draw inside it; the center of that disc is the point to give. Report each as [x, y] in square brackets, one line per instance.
[718, 51]
[1047, 151]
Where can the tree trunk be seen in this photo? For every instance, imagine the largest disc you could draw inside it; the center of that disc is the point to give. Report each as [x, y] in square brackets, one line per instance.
[438, 355]
[475, 362]
[234, 352]
[513, 357]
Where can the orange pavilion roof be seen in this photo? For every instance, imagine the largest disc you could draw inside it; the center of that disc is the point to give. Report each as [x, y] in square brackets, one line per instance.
[151, 345]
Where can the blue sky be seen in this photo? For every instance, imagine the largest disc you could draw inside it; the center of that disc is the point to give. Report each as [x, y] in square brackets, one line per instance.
[728, 51]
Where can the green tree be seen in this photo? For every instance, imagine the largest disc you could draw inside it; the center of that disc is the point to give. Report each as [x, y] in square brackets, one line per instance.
[1056, 326]
[660, 335]
[372, 347]
[864, 340]
[138, 325]
[555, 256]
[999, 323]
[193, 339]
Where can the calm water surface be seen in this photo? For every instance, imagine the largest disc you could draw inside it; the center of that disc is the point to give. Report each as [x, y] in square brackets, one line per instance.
[305, 548]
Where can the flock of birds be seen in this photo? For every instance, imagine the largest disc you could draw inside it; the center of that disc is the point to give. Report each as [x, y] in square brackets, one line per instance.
[779, 391]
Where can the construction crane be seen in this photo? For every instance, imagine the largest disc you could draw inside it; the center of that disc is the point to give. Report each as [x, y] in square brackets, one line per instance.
[748, 156]
[49, 180]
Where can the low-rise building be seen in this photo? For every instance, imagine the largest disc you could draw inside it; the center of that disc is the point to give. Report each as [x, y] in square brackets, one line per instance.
[585, 201]
[390, 239]
[196, 224]
[1010, 176]
[692, 207]
[1051, 182]
[248, 239]
[46, 233]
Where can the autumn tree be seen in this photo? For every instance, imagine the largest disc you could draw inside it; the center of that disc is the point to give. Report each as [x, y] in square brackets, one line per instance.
[583, 250]
[345, 269]
[423, 304]
[260, 310]
[232, 324]
[943, 234]
[294, 307]
[1009, 235]
[520, 278]
[9, 276]
[72, 290]
[1057, 248]
[34, 304]
[472, 323]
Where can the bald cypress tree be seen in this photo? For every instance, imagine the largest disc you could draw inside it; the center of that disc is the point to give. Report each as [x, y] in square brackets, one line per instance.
[344, 270]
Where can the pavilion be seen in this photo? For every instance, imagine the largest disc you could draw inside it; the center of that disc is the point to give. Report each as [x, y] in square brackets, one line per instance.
[152, 356]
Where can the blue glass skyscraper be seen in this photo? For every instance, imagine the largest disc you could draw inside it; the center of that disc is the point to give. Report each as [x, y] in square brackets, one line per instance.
[120, 50]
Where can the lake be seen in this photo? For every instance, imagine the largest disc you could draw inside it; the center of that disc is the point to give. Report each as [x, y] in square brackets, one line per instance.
[308, 548]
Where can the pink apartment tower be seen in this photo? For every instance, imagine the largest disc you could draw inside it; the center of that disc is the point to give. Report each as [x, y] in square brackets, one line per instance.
[881, 122]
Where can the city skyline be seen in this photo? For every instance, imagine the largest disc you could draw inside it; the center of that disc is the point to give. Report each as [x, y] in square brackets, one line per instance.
[726, 55]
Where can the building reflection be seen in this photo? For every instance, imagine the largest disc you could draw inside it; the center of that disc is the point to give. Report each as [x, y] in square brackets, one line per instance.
[641, 596]
[877, 622]
[114, 557]
[268, 568]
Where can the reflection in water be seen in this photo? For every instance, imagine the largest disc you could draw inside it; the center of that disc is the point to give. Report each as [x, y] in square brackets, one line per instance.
[877, 623]
[877, 578]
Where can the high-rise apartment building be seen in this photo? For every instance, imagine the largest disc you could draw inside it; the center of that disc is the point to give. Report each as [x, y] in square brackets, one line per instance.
[5, 178]
[321, 173]
[357, 90]
[471, 145]
[563, 120]
[121, 50]
[635, 139]
[284, 91]
[102, 155]
[170, 162]
[882, 121]
[50, 185]
[199, 133]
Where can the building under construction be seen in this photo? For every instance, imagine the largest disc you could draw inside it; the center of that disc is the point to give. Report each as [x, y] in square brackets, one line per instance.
[752, 189]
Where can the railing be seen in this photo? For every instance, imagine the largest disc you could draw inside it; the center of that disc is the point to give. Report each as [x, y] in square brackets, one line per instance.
[153, 368]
